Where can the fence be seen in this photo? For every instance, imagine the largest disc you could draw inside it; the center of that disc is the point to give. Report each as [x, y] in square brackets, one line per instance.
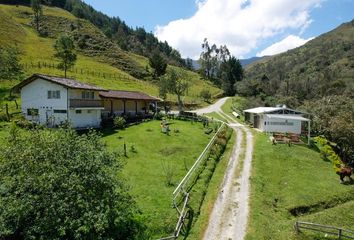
[181, 191]
[335, 231]
[82, 71]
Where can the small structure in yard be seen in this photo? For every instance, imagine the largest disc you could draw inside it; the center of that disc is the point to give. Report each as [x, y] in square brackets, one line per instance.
[280, 119]
[129, 103]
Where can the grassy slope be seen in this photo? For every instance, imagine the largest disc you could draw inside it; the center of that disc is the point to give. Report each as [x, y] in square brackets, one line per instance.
[287, 177]
[16, 30]
[144, 169]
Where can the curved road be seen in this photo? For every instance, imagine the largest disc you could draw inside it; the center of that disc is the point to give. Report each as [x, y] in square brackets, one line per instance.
[228, 219]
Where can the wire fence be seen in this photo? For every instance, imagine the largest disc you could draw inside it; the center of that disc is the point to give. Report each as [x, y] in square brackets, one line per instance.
[83, 71]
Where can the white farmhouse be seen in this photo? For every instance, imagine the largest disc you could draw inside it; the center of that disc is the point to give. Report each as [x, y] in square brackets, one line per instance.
[278, 119]
[52, 100]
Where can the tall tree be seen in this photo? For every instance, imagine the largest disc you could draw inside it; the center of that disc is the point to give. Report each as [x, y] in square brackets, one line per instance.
[10, 67]
[65, 52]
[158, 64]
[176, 83]
[38, 12]
[231, 71]
[206, 59]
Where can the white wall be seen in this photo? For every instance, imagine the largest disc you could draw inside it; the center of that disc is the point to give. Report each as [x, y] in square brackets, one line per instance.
[35, 95]
[87, 118]
[281, 125]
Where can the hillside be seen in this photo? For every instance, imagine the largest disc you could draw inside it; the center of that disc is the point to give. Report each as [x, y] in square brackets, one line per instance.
[100, 61]
[135, 40]
[321, 67]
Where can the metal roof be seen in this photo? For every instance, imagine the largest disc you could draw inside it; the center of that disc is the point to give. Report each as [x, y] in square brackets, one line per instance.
[262, 109]
[288, 117]
[67, 82]
[133, 95]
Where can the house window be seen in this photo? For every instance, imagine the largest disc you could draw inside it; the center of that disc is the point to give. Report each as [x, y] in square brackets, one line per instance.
[32, 112]
[54, 94]
[59, 111]
[88, 95]
[78, 111]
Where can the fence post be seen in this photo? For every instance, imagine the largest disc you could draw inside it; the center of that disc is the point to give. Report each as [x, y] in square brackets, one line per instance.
[339, 233]
[7, 112]
[297, 227]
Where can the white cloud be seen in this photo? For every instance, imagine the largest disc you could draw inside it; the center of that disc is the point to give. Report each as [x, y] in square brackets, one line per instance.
[240, 24]
[287, 43]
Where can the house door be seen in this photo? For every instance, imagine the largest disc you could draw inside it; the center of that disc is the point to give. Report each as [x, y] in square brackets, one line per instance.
[256, 121]
[49, 118]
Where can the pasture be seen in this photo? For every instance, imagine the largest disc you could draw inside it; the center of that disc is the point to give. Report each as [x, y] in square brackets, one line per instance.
[295, 183]
[151, 157]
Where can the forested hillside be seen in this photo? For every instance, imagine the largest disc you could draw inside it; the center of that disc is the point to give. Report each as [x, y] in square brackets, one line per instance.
[127, 38]
[322, 67]
[317, 77]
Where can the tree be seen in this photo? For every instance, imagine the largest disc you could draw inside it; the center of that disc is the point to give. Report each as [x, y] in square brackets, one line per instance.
[61, 185]
[176, 83]
[158, 63]
[38, 12]
[206, 95]
[333, 117]
[65, 52]
[206, 59]
[10, 67]
[231, 71]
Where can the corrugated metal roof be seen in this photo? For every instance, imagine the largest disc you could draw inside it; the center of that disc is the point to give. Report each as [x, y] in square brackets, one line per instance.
[68, 82]
[127, 95]
[262, 109]
[288, 117]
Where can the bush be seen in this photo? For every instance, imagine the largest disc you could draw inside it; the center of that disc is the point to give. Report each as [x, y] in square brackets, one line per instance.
[328, 153]
[205, 95]
[61, 185]
[119, 122]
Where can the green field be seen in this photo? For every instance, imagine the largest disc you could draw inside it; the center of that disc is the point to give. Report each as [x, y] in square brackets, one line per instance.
[37, 54]
[154, 152]
[288, 179]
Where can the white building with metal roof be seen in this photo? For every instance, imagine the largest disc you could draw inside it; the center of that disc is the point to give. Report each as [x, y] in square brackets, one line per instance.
[280, 119]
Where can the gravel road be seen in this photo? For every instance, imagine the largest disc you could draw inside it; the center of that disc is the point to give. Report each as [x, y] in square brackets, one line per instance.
[229, 216]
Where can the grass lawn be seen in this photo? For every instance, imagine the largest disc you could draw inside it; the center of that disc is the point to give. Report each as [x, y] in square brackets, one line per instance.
[234, 102]
[154, 152]
[286, 178]
[217, 116]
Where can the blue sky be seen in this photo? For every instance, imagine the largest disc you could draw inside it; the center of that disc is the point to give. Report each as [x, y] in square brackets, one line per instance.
[247, 27]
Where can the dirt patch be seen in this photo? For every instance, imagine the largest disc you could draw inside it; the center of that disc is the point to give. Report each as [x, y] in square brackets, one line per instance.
[171, 150]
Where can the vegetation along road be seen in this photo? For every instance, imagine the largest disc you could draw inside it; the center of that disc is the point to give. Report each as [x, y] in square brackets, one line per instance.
[229, 216]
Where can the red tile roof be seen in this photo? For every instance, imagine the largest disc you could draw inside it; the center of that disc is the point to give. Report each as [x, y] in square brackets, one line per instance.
[127, 95]
[67, 82]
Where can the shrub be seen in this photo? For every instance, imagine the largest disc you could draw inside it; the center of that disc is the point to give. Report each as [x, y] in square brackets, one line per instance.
[61, 185]
[119, 122]
[328, 153]
[205, 95]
